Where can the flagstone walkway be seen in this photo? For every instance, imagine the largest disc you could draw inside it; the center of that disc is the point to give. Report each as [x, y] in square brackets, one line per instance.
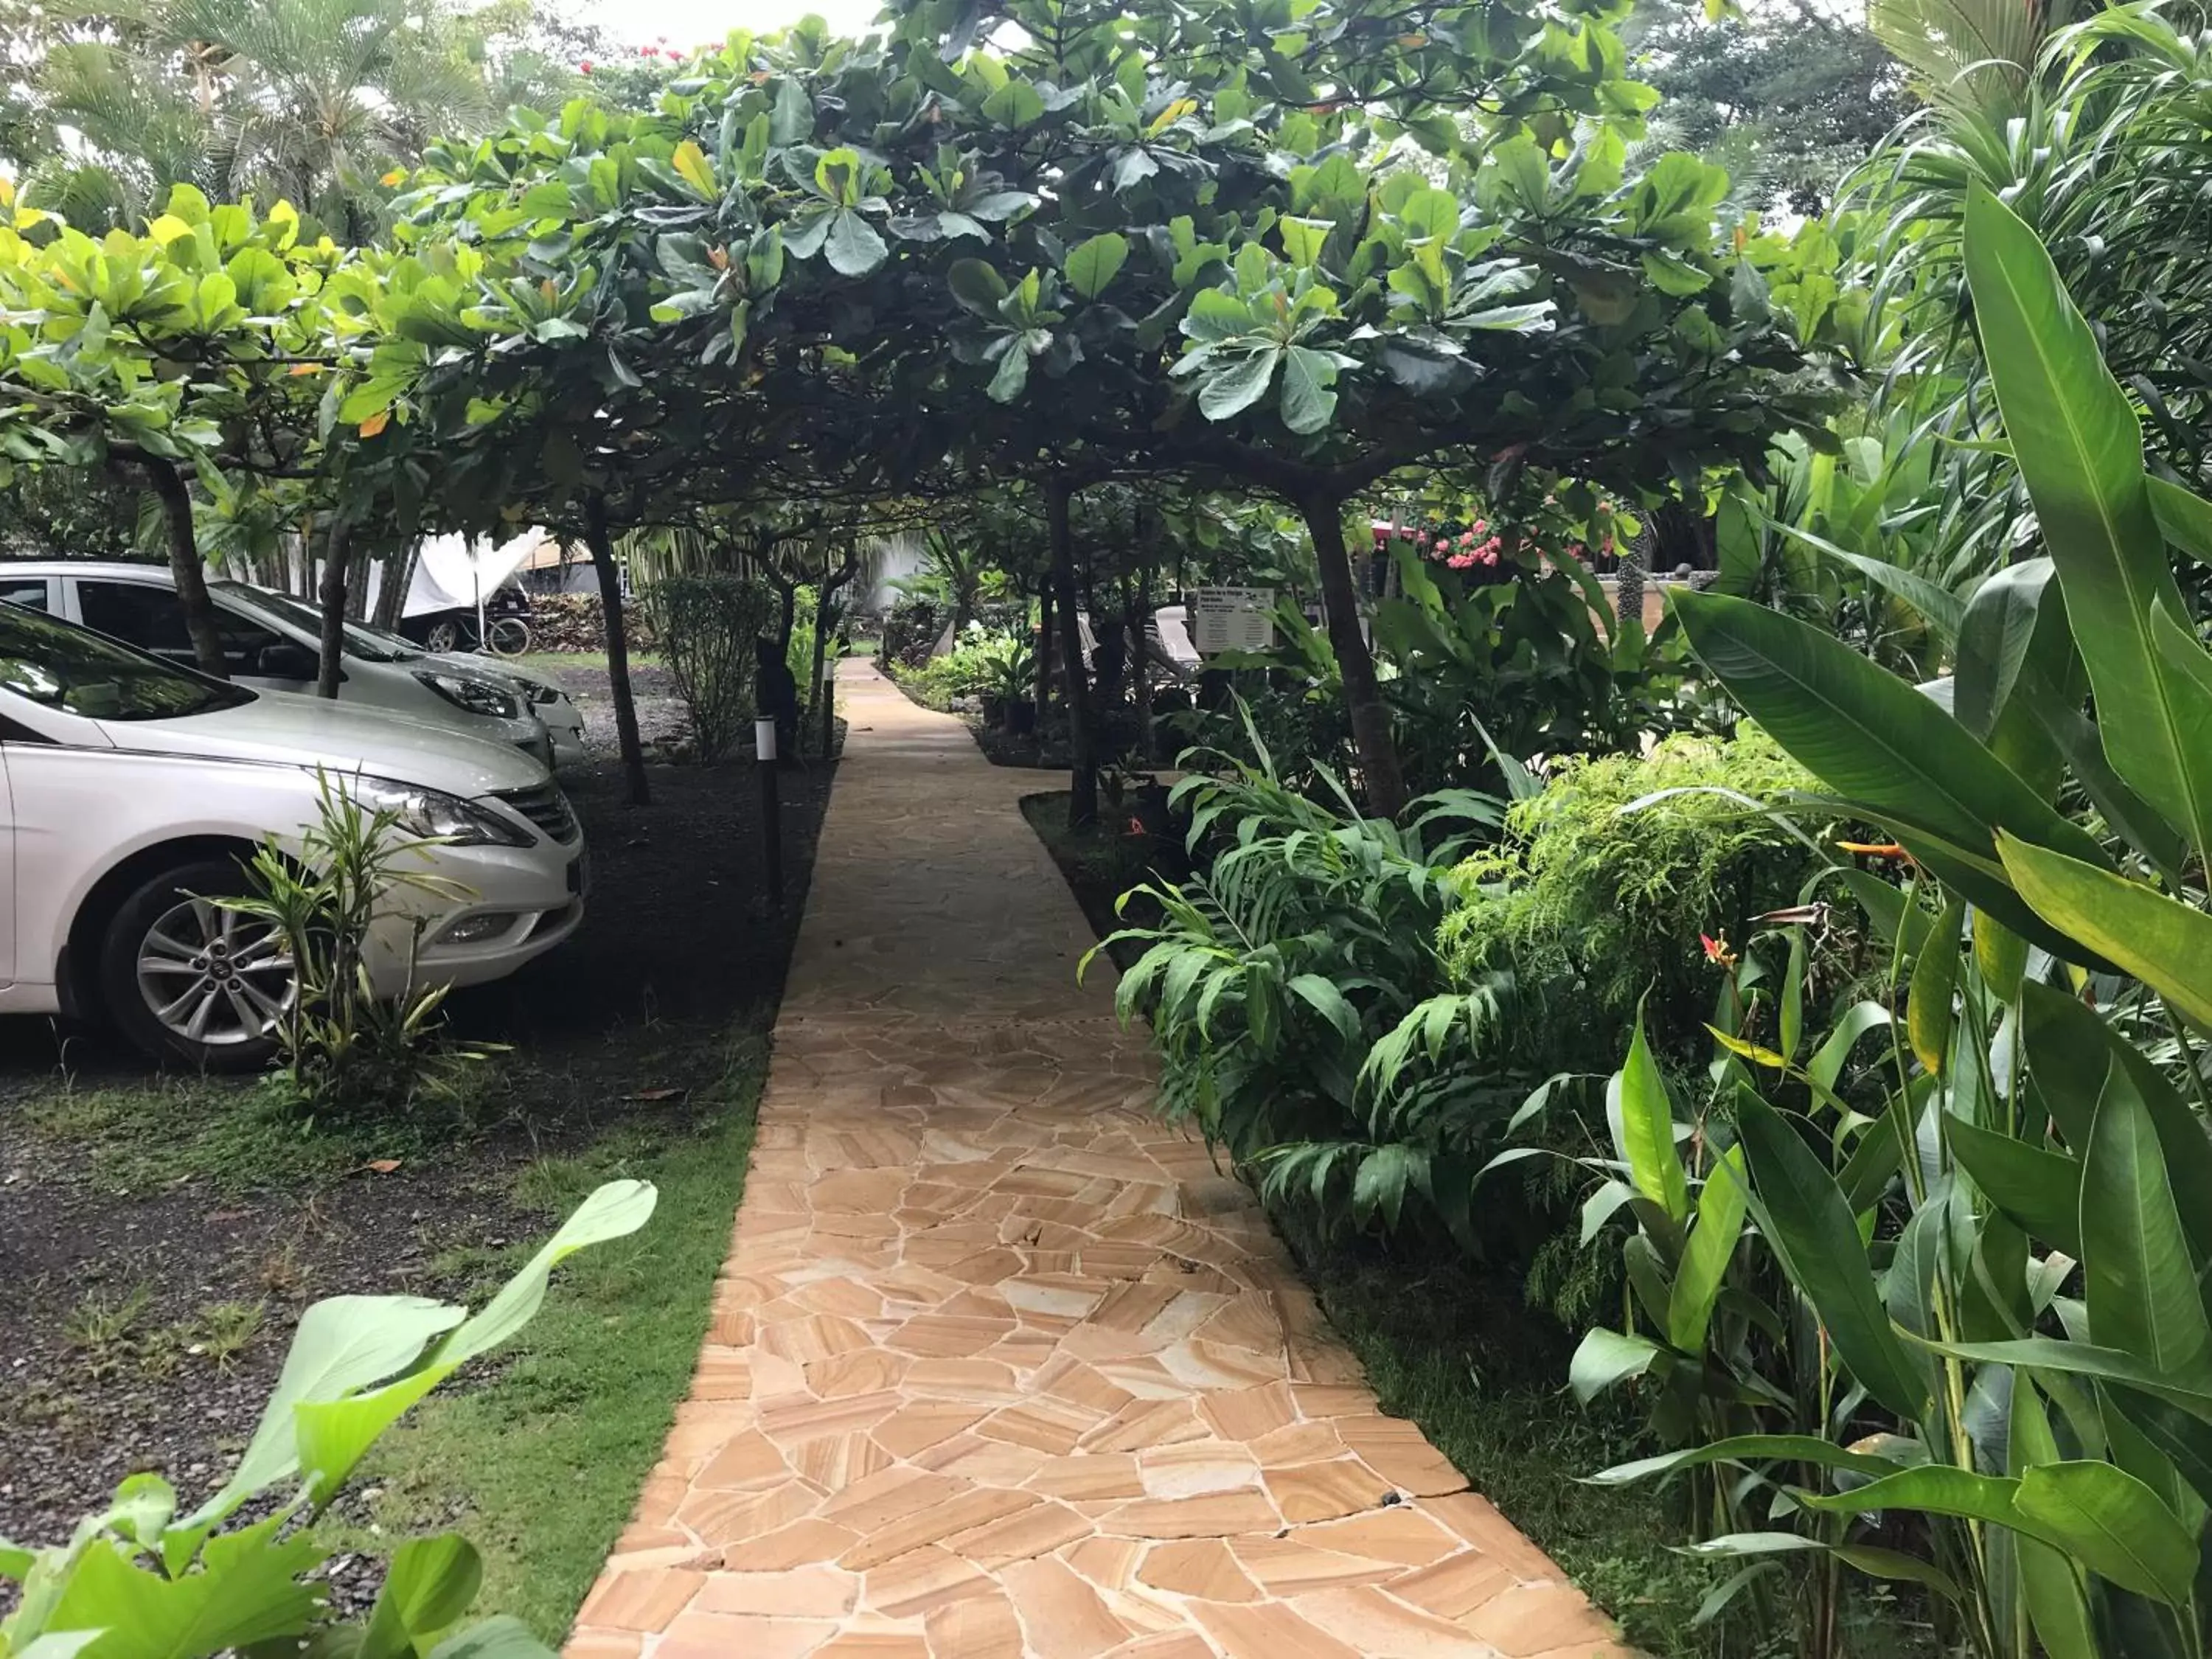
[999, 1364]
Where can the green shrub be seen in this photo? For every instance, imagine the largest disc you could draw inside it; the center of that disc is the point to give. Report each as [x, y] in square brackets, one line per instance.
[708, 624]
[343, 1049]
[1607, 877]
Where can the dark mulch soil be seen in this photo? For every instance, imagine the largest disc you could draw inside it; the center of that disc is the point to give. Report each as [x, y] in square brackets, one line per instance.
[1122, 852]
[125, 1282]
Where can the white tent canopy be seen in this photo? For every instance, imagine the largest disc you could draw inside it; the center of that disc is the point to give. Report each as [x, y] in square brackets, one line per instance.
[452, 573]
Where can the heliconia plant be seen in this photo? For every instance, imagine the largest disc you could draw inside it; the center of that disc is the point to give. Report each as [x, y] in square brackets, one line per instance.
[1981, 1253]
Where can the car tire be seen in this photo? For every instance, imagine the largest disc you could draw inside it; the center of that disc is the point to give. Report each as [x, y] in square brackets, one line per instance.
[149, 953]
[442, 637]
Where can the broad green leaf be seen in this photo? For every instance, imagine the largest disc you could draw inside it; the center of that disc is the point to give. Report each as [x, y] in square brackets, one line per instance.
[1935, 981]
[1225, 393]
[1931, 1489]
[2040, 1190]
[2049, 1585]
[2164, 943]
[334, 1434]
[1865, 733]
[853, 246]
[1017, 103]
[427, 1588]
[1605, 1359]
[2142, 1293]
[247, 1590]
[1749, 1449]
[1937, 606]
[2079, 445]
[1308, 400]
[1329, 1002]
[1871, 1560]
[1721, 1205]
[2185, 517]
[2046, 1354]
[1647, 1131]
[2113, 1524]
[1812, 1229]
[1999, 625]
[1092, 265]
[343, 1343]
[977, 288]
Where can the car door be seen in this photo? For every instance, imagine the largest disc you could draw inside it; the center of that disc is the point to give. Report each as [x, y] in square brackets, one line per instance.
[152, 617]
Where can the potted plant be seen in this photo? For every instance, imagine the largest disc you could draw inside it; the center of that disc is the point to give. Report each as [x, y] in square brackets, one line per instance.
[1013, 668]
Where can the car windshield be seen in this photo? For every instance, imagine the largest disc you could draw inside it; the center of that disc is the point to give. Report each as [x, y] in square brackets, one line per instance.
[363, 642]
[71, 668]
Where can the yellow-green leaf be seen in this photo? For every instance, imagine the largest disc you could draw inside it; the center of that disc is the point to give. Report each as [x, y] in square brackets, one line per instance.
[690, 164]
[2162, 942]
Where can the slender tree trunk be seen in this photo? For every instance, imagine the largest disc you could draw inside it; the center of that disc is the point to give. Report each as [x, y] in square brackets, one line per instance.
[1628, 581]
[1355, 664]
[1043, 655]
[359, 558]
[1082, 741]
[337, 560]
[825, 617]
[185, 564]
[1141, 659]
[398, 577]
[610, 604]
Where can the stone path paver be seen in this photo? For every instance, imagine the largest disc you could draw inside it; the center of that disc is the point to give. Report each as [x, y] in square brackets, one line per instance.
[1000, 1365]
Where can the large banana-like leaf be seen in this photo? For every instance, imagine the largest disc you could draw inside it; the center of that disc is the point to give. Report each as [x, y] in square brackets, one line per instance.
[2079, 448]
[1721, 1205]
[1810, 1225]
[2162, 942]
[1865, 733]
[1646, 1129]
[2143, 1291]
[2039, 1190]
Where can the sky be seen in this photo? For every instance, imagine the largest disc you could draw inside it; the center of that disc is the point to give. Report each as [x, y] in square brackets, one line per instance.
[690, 22]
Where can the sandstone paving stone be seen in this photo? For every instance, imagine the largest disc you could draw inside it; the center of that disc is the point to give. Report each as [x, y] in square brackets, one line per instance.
[1000, 1366]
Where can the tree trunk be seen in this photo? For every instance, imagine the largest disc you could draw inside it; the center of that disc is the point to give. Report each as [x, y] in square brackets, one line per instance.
[1355, 664]
[1141, 658]
[610, 604]
[1043, 655]
[359, 558]
[825, 617]
[391, 593]
[1628, 582]
[1082, 747]
[337, 559]
[168, 487]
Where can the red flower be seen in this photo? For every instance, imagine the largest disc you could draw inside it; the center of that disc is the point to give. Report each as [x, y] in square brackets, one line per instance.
[586, 66]
[1717, 950]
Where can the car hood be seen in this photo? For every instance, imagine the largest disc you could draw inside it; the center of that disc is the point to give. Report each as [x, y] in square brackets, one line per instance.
[495, 669]
[283, 728]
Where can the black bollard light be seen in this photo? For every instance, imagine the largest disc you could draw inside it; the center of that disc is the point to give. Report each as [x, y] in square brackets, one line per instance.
[771, 810]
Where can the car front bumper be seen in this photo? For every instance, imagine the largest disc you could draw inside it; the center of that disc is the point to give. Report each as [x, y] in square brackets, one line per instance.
[505, 906]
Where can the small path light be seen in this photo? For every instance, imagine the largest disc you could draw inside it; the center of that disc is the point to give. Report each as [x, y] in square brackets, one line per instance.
[771, 810]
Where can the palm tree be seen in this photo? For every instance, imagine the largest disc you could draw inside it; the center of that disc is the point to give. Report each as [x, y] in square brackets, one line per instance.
[312, 101]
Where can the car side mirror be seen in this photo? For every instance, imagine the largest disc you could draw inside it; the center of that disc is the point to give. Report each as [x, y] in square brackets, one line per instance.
[285, 660]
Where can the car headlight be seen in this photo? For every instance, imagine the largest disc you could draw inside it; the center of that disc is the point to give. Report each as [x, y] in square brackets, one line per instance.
[478, 696]
[434, 814]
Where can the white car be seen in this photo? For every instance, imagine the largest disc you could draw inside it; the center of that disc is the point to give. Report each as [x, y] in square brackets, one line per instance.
[272, 647]
[134, 789]
[549, 699]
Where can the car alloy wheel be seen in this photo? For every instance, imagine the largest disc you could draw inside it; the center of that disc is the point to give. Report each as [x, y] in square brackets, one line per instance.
[213, 977]
[443, 637]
